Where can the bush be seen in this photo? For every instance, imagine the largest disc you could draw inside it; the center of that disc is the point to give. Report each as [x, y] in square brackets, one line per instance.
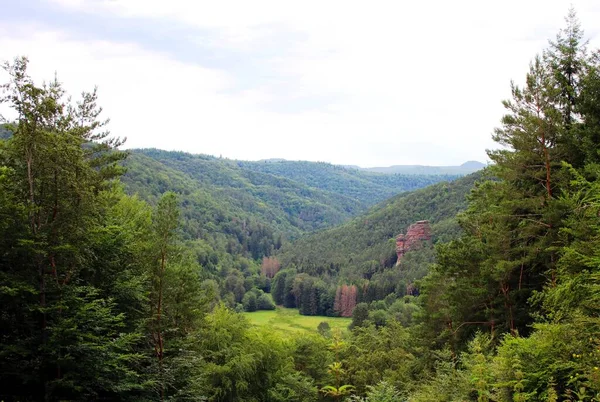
[324, 329]
[249, 301]
[378, 317]
[382, 392]
[265, 302]
[359, 315]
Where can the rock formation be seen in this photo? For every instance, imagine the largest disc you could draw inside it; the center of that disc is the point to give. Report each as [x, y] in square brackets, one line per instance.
[416, 234]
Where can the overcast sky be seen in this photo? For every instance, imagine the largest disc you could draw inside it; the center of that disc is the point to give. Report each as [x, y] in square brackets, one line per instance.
[369, 83]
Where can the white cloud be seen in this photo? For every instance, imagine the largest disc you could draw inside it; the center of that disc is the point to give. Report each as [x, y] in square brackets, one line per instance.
[404, 82]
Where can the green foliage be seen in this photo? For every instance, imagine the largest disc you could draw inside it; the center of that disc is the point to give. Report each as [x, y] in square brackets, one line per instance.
[477, 363]
[404, 310]
[295, 388]
[365, 245]
[379, 353]
[365, 186]
[288, 321]
[245, 363]
[336, 372]
[87, 329]
[324, 329]
[360, 315]
[62, 334]
[382, 392]
[576, 284]
[249, 302]
[337, 392]
[564, 355]
[312, 356]
[446, 384]
[265, 302]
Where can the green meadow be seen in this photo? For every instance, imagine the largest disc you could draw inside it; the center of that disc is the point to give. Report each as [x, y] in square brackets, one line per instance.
[289, 320]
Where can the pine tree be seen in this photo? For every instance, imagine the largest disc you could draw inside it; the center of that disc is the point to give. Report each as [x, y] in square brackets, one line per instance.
[55, 170]
[514, 220]
[166, 222]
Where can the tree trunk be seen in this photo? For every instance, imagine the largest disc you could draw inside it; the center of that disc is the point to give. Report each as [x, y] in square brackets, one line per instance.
[158, 323]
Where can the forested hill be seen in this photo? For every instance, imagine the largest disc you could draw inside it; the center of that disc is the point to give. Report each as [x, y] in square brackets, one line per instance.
[239, 210]
[367, 242]
[213, 192]
[362, 185]
[4, 133]
[465, 168]
[368, 188]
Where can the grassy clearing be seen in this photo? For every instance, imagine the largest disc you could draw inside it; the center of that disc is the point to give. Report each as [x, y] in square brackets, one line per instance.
[289, 320]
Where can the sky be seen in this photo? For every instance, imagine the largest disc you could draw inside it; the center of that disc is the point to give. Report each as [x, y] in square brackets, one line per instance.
[374, 83]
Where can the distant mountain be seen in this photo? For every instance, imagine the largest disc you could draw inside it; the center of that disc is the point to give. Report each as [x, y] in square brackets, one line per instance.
[461, 170]
[475, 165]
[366, 187]
[272, 160]
[4, 132]
[464, 169]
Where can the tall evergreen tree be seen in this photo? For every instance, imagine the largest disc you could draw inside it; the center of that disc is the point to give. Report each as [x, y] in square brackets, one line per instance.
[514, 220]
[165, 222]
[61, 336]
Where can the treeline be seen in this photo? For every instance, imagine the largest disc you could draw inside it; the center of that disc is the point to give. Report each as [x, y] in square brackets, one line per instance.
[288, 206]
[333, 296]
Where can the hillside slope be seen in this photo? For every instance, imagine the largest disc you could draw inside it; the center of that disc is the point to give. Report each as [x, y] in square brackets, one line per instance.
[213, 193]
[364, 186]
[368, 241]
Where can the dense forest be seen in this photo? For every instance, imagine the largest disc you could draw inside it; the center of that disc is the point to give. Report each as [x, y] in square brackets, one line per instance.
[123, 275]
[368, 239]
[225, 198]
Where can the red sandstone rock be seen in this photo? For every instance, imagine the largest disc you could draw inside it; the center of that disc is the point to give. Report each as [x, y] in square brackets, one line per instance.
[416, 234]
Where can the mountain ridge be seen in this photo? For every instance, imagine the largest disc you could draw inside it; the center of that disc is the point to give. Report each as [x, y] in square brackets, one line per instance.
[465, 168]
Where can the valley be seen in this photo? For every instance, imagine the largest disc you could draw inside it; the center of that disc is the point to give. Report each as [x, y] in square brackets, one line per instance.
[152, 275]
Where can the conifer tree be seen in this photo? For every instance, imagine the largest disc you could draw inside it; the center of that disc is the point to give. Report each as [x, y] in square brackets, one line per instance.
[61, 334]
[166, 221]
[514, 220]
